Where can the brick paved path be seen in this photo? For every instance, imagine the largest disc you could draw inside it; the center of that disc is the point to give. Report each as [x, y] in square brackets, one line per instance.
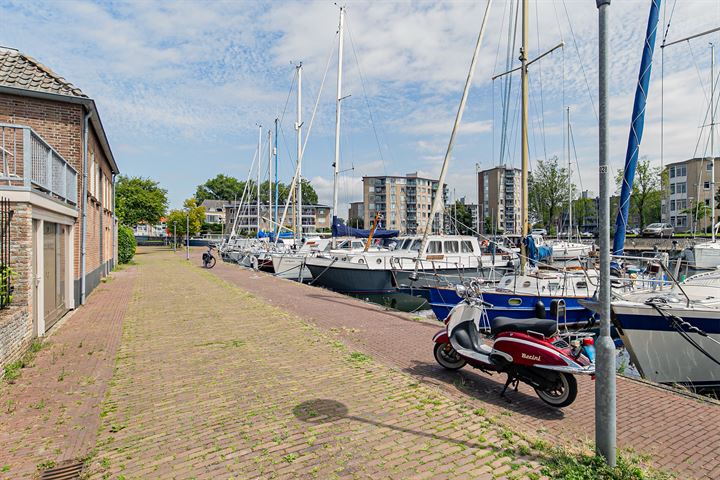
[52, 413]
[213, 382]
[682, 434]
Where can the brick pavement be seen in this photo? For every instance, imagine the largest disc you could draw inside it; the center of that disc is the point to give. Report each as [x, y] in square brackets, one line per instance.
[52, 412]
[213, 382]
[681, 434]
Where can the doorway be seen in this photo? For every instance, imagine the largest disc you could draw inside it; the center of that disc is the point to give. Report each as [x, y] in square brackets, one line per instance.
[53, 268]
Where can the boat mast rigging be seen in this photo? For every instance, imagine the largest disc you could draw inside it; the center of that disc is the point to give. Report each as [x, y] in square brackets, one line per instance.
[338, 100]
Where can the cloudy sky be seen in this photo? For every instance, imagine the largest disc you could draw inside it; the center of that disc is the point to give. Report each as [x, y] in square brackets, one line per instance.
[181, 86]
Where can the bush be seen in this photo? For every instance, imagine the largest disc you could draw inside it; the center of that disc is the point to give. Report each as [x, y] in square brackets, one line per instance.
[126, 244]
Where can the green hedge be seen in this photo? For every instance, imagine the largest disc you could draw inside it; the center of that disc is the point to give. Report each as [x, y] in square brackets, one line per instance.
[126, 244]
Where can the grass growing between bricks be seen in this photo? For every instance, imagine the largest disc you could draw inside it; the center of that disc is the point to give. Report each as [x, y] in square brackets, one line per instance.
[190, 396]
[12, 371]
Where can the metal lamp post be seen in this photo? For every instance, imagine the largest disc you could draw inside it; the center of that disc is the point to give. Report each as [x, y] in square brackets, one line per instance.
[187, 234]
[174, 236]
[605, 414]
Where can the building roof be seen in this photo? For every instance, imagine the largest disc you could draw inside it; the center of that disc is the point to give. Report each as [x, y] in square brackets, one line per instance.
[22, 75]
[695, 159]
[22, 71]
[210, 203]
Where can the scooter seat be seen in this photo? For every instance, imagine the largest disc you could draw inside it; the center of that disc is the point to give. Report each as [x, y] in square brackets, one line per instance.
[538, 325]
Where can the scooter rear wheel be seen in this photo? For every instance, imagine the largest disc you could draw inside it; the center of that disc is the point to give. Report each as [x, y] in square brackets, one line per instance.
[448, 357]
[562, 394]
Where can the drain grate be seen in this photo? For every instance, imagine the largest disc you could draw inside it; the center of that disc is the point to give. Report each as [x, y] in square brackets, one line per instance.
[68, 471]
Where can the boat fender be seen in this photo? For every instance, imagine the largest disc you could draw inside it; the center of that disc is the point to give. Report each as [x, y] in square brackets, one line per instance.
[539, 309]
[254, 262]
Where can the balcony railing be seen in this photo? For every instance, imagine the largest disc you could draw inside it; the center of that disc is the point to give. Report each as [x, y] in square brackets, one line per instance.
[28, 162]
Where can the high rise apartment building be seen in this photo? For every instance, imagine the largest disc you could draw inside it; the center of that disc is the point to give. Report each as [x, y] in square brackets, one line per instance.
[403, 202]
[499, 197]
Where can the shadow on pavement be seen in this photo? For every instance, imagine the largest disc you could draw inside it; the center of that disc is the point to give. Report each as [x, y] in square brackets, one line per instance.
[322, 410]
[486, 389]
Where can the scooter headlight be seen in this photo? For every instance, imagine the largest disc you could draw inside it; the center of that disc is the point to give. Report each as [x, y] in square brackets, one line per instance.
[461, 290]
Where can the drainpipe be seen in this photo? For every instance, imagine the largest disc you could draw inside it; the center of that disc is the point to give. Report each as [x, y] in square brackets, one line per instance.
[113, 224]
[83, 225]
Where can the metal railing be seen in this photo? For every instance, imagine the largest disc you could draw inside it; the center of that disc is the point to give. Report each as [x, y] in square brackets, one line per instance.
[28, 162]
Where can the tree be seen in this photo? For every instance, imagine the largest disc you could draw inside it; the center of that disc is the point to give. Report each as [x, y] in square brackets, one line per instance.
[178, 218]
[645, 196]
[461, 218]
[584, 209]
[139, 200]
[697, 211]
[221, 187]
[548, 190]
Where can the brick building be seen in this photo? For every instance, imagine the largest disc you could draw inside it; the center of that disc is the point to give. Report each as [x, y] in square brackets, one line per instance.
[57, 170]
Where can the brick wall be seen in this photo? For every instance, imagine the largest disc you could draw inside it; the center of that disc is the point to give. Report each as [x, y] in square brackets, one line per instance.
[61, 125]
[16, 328]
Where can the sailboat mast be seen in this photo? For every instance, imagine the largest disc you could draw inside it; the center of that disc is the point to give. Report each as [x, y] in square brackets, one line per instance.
[570, 187]
[338, 100]
[524, 206]
[259, 147]
[712, 140]
[270, 176]
[277, 184]
[298, 128]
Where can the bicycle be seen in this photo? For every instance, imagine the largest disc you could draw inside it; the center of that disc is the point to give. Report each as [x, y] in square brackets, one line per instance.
[208, 258]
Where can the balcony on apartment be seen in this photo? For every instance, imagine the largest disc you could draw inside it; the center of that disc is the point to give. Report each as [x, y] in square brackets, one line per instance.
[29, 163]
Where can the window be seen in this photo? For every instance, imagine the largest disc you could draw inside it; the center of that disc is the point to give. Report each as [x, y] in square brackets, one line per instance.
[709, 166]
[434, 247]
[681, 204]
[415, 245]
[451, 246]
[706, 185]
[681, 171]
[466, 246]
[707, 201]
[681, 187]
[672, 205]
[371, 189]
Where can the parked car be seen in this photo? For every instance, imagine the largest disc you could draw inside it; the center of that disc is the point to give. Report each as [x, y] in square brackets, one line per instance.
[538, 231]
[586, 234]
[658, 230]
[634, 231]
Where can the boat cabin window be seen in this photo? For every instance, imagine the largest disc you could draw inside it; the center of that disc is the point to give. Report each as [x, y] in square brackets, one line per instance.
[356, 244]
[466, 246]
[451, 246]
[434, 247]
[581, 284]
[406, 244]
[415, 245]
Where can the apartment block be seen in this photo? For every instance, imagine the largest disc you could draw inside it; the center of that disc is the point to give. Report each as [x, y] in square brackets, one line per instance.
[689, 183]
[403, 202]
[315, 218]
[499, 197]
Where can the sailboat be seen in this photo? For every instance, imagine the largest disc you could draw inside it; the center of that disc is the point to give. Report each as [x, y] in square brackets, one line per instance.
[415, 261]
[532, 293]
[707, 254]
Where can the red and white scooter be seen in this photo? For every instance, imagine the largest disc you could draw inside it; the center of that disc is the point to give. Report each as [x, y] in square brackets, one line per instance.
[529, 351]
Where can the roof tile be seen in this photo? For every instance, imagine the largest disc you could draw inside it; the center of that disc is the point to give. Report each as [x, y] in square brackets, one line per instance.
[22, 71]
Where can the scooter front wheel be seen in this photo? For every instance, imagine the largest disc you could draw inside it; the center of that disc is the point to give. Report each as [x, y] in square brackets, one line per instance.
[210, 262]
[448, 357]
[562, 394]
